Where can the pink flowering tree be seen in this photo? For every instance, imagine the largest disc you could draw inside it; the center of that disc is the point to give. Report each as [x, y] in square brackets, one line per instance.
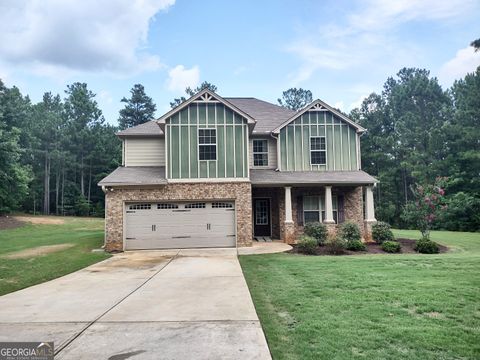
[428, 203]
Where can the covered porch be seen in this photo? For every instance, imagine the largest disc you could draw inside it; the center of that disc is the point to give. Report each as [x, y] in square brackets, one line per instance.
[282, 208]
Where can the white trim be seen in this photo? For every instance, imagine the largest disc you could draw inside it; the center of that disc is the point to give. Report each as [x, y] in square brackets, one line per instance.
[253, 153]
[333, 145]
[294, 148]
[303, 149]
[189, 148]
[180, 144]
[349, 150]
[243, 151]
[234, 148]
[248, 151]
[341, 148]
[200, 95]
[359, 163]
[213, 180]
[225, 140]
[325, 105]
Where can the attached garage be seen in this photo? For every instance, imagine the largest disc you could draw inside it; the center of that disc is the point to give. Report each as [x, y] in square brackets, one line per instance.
[170, 225]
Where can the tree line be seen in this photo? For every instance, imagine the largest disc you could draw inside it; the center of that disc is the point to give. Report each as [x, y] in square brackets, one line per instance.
[53, 153]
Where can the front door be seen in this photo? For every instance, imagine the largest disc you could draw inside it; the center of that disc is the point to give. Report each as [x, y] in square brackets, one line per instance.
[261, 217]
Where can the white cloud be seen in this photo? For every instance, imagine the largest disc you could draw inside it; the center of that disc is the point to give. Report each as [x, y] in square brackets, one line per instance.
[180, 78]
[105, 96]
[367, 38]
[465, 61]
[87, 35]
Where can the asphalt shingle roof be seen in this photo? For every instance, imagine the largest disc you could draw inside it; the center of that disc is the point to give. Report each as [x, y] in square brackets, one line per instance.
[138, 175]
[270, 177]
[150, 128]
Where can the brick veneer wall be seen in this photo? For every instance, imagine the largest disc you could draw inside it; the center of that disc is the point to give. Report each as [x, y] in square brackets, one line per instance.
[240, 192]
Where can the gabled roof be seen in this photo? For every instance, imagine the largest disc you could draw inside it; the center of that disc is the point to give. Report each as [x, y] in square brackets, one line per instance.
[319, 105]
[205, 96]
[150, 128]
[268, 115]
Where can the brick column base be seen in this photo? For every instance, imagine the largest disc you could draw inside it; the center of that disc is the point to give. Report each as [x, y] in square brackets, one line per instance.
[331, 230]
[367, 231]
[289, 233]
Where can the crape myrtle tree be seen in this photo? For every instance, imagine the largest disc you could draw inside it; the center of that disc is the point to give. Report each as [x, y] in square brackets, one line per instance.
[139, 108]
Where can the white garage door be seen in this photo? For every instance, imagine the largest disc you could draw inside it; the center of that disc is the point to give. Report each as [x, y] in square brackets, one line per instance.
[164, 225]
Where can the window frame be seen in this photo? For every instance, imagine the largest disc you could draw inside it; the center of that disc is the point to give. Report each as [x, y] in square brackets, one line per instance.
[321, 207]
[260, 152]
[209, 145]
[324, 150]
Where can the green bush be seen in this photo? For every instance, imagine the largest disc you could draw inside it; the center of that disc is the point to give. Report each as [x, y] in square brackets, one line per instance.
[318, 231]
[350, 231]
[381, 232]
[426, 246]
[356, 245]
[391, 246]
[336, 245]
[307, 245]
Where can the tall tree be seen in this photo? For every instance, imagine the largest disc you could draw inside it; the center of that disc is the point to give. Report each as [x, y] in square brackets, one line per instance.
[15, 175]
[82, 115]
[139, 108]
[190, 92]
[295, 99]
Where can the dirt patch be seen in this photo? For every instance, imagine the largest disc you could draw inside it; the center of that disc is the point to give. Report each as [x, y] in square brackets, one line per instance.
[37, 251]
[9, 222]
[41, 220]
[408, 247]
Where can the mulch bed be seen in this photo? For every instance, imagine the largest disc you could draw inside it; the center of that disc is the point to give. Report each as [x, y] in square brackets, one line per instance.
[408, 247]
[8, 222]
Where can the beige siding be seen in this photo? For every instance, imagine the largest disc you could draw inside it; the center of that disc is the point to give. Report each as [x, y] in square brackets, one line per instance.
[272, 153]
[144, 152]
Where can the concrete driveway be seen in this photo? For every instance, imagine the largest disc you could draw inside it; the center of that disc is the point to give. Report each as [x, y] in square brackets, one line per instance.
[184, 304]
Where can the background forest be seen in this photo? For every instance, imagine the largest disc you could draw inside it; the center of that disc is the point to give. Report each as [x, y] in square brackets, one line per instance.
[53, 153]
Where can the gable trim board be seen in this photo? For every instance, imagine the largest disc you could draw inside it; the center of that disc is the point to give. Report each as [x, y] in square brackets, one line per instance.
[320, 106]
[201, 97]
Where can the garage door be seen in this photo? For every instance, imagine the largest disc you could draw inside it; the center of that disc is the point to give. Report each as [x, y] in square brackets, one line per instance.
[164, 225]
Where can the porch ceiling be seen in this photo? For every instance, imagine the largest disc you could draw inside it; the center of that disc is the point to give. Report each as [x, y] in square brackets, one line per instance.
[265, 177]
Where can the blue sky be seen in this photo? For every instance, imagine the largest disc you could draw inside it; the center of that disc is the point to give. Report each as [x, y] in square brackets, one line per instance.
[340, 50]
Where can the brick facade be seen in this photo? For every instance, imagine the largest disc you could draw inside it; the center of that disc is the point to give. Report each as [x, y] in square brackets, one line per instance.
[115, 198]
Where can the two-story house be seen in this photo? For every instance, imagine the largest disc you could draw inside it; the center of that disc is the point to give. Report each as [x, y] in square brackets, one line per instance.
[222, 172]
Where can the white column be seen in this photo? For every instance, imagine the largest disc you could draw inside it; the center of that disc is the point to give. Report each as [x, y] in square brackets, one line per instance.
[288, 204]
[369, 206]
[328, 206]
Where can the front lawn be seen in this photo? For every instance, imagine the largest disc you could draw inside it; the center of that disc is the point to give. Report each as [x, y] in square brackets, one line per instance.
[27, 256]
[406, 306]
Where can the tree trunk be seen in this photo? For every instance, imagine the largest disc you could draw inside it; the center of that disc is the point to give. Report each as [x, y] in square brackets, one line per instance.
[63, 189]
[46, 185]
[405, 187]
[57, 189]
[82, 184]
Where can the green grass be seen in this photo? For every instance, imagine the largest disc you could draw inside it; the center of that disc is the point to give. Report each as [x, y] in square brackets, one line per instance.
[85, 234]
[371, 306]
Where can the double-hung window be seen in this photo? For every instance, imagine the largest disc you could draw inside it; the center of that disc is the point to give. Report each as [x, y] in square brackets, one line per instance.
[318, 150]
[260, 152]
[314, 208]
[207, 144]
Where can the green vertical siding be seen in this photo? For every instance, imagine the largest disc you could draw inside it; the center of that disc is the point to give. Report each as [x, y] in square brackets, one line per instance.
[340, 143]
[182, 142]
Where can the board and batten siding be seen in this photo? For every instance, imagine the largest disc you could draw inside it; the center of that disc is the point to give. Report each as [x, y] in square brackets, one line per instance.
[340, 137]
[181, 131]
[144, 152]
[272, 153]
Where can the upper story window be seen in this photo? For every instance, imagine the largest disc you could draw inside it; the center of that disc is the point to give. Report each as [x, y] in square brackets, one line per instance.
[318, 150]
[260, 152]
[207, 144]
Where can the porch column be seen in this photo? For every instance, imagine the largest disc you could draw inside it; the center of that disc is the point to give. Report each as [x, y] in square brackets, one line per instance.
[328, 206]
[288, 204]
[369, 206]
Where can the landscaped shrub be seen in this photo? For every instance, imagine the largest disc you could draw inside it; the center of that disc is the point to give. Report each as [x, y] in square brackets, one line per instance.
[426, 246]
[391, 246]
[381, 232]
[356, 245]
[350, 231]
[307, 245]
[318, 231]
[336, 245]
